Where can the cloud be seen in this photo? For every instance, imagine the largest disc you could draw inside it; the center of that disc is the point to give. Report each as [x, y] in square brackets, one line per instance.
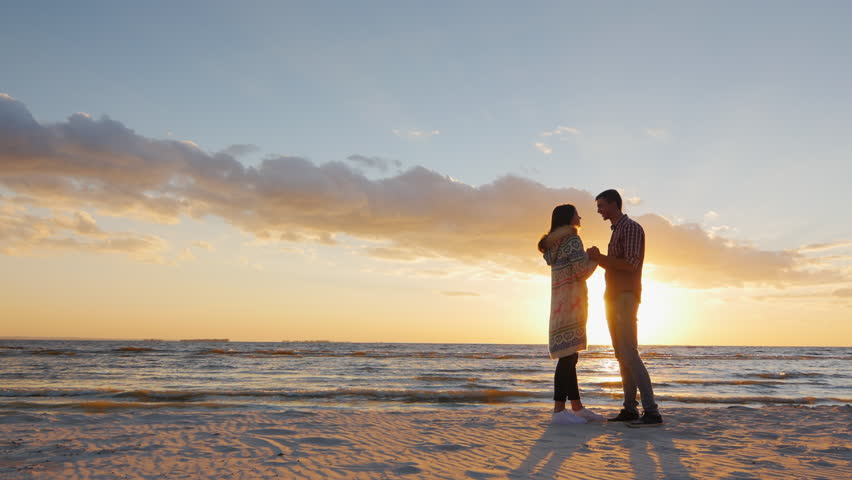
[821, 247]
[633, 200]
[380, 164]
[22, 233]
[240, 150]
[247, 263]
[530, 170]
[389, 253]
[821, 294]
[415, 134]
[204, 245]
[657, 132]
[559, 131]
[827, 261]
[543, 148]
[459, 294]
[186, 255]
[687, 254]
[843, 292]
[101, 166]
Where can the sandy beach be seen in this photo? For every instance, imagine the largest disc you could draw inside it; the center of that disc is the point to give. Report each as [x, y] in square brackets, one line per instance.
[514, 442]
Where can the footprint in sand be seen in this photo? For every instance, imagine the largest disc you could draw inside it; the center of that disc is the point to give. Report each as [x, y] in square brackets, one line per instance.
[406, 470]
[481, 475]
[397, 468]
[280, 432]
[447, 447]
[323, 441]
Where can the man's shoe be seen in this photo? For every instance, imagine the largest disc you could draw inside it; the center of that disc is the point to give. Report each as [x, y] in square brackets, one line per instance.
[625, 416]
[647, 420]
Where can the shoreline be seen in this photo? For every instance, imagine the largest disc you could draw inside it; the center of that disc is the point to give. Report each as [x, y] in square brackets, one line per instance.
[106, 406]
[492, 442]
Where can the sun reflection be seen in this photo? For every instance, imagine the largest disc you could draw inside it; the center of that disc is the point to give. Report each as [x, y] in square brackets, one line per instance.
[610, 365]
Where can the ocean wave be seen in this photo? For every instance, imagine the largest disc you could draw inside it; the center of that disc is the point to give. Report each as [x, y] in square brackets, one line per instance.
[103, 406]
[736, 400]
[784, 375]
[445, 378]
[133, 349]
[650, 356]
[220, 351]
[163, 395]
[616, 384]
[113, 398]
[473, 395]
[723, 382]
[373, 354]
[48, 392]
[612, 384]
[668, 383]
[47, 351]
[736, 356]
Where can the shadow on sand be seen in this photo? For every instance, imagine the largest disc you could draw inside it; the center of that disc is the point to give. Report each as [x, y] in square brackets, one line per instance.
[596, 451]
[652, 454]
[552, 452]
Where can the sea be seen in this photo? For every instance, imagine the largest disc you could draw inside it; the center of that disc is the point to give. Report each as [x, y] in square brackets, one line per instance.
[98, 376]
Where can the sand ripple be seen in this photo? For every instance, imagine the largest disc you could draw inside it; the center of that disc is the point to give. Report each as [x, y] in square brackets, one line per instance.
[488, 443]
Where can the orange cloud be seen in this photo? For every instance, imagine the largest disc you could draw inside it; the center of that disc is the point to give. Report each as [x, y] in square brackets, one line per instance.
[101, 165]
[24, 234]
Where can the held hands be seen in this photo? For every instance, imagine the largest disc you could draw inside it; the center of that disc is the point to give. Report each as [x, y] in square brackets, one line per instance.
[594, 253]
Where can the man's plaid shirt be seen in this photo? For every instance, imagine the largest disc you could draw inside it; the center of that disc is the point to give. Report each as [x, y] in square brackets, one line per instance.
[626, 243]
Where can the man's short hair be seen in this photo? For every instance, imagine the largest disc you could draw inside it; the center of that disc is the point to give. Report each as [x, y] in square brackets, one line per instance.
[610, 196]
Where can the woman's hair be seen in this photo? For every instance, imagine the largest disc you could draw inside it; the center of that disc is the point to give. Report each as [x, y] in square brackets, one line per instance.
[562, 215]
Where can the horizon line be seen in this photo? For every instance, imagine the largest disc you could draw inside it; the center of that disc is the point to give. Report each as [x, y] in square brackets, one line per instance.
[216, 340]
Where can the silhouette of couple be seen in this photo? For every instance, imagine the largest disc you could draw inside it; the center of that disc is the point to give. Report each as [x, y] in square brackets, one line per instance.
[570, 266]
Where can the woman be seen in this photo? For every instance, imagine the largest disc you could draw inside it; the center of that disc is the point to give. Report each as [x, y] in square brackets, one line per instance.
[570, 266]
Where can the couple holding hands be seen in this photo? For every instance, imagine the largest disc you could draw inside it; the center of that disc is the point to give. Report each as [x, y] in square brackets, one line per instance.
[570, 266]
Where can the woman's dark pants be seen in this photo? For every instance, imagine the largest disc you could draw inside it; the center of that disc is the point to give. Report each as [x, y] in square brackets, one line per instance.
[565, 380]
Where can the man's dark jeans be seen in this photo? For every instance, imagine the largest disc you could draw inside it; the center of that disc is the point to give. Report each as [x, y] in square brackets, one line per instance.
[621, 311]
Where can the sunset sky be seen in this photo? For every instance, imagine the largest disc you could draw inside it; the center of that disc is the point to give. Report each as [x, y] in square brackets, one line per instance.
[382, 171]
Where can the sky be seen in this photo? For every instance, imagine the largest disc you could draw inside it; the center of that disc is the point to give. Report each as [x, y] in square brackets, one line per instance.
[382, 171]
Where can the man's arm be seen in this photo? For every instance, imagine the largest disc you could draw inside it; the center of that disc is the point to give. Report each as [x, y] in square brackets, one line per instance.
[607, 262]
[634, 240]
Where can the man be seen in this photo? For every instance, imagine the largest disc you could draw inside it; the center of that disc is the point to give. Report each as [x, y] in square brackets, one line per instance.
[623, 265]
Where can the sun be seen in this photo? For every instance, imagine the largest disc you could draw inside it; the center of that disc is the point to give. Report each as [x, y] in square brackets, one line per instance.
[654, 313]
[663, 313]
[666, 313]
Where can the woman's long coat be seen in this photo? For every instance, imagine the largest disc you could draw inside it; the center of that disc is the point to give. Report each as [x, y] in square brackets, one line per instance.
[570, 266]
